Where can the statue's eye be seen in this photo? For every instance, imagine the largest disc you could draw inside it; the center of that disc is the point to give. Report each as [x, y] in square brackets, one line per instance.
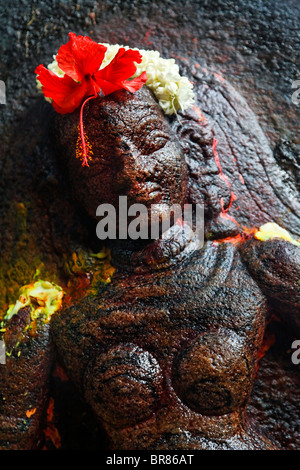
[213, 375]
[123, 385]
[153, 141]
[150, 135]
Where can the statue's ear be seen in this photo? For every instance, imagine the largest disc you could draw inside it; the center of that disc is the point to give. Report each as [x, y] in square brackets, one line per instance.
[275, 265]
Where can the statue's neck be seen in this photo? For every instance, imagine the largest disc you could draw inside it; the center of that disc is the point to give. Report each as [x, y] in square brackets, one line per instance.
[177, 244]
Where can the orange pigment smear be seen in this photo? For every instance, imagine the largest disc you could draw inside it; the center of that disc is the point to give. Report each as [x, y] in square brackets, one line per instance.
[241, 178]
[51, 431]
[240, 237]
[29, 413]
[268, 341]
[233, 198]
[76, 289]
[201, 119]
[60, 373]
[224, 214]
[234, 240]
[219, 77]
[217, 160]
[180, 57]
[146, 37]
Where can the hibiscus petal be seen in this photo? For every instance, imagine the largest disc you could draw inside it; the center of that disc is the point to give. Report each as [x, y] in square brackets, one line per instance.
[66, 94]
[80, 57]
[136, 83]
[92, 87]
[108, 87]
[131, 85]
[120, 68]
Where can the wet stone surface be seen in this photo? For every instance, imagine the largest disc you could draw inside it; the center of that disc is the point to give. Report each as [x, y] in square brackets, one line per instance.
[254, 46]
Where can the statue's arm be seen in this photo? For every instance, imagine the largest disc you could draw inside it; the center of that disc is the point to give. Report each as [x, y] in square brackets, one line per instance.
[275, 265]
[26, 361]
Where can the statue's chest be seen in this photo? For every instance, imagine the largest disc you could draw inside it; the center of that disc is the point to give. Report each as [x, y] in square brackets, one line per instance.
[211, 289]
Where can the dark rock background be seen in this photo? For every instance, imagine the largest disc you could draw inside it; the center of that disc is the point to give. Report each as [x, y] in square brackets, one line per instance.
[255, 45]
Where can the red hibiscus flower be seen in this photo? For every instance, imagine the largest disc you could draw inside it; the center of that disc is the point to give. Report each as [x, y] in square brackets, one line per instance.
[80, 60]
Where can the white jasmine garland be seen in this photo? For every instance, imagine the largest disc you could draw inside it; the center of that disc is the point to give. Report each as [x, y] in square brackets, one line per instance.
[172, 91]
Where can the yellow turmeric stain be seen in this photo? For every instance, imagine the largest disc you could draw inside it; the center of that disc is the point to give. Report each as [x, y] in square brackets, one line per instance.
[271, 230]
[43, 297]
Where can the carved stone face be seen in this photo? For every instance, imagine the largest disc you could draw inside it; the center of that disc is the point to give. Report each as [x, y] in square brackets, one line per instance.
[135, 153]
[140, 153]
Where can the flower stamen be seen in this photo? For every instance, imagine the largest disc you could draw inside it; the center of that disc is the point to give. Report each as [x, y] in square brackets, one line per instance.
[83, 147]
[86, 154]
